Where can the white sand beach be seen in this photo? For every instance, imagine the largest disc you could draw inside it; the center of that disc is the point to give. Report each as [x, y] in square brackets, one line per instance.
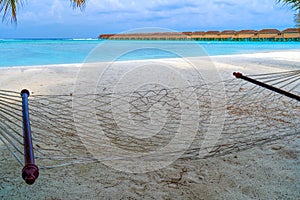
[269, 171]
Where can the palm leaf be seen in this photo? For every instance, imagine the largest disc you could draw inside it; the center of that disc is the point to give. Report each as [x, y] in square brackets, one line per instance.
[78, 3]
[294, 4]
[10, 7]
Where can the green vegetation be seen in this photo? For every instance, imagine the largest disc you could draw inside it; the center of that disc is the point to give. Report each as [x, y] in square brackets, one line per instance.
[295, 5]
[10, 8]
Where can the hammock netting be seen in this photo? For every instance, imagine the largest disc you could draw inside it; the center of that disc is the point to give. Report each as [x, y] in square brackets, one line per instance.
[254, 116]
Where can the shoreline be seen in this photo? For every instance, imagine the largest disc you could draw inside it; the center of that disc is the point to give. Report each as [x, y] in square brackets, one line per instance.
[291, 55]
[61, 78]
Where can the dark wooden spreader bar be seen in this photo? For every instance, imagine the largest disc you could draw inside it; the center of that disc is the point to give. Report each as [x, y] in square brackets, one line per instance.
[30, 171]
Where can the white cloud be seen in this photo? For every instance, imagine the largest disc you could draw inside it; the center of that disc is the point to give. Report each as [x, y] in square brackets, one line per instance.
[120, 15]
[56, 10]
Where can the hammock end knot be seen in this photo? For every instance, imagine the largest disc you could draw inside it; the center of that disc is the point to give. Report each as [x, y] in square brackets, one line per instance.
[30, 173]
[25, 91]
[237, 74]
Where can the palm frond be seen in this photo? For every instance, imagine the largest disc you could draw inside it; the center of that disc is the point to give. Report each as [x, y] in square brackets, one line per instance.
[294, 4]
[9, 8]
[78, 3]
[297, 19]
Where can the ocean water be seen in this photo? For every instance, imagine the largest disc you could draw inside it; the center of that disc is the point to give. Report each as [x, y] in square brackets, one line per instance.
[28, 52]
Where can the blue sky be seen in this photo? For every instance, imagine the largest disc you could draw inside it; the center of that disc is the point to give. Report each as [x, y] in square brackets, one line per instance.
[56, 19]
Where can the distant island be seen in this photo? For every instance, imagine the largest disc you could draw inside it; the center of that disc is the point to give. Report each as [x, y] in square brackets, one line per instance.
[290, 34]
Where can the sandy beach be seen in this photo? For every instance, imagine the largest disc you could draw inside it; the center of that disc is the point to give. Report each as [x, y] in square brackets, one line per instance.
[268, 171]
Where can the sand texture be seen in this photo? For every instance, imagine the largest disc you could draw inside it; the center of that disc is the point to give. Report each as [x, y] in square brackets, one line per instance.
[262, 170]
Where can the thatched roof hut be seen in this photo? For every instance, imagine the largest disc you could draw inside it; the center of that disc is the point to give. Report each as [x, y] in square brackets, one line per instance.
[291, 30]
[105, 36]
[269, 33]
[187, 33]
[247, 34]
[291, 33]
[264, 34]
[228, 34]
[198, 35]
[212, 34]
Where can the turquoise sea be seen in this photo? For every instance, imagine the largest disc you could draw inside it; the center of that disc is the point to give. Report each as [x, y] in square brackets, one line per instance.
[28, 52]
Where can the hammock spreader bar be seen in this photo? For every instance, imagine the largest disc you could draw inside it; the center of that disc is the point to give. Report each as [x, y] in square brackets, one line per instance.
[30, 171]
[280, 91]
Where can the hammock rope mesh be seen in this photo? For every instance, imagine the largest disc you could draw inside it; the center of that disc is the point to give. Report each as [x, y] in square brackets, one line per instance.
[254, 116]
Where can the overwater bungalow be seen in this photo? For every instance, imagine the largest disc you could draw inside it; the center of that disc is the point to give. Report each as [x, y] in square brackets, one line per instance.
[227, 35]
[188, 33]
[291, 34]
[269, 34]
[212, 35]
[105, 36]
[173, 36]
[155, 36]
[198, 35]
[179, 36]
[246, 34]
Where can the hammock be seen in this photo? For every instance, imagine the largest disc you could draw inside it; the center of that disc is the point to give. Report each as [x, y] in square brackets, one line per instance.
[255, 116]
